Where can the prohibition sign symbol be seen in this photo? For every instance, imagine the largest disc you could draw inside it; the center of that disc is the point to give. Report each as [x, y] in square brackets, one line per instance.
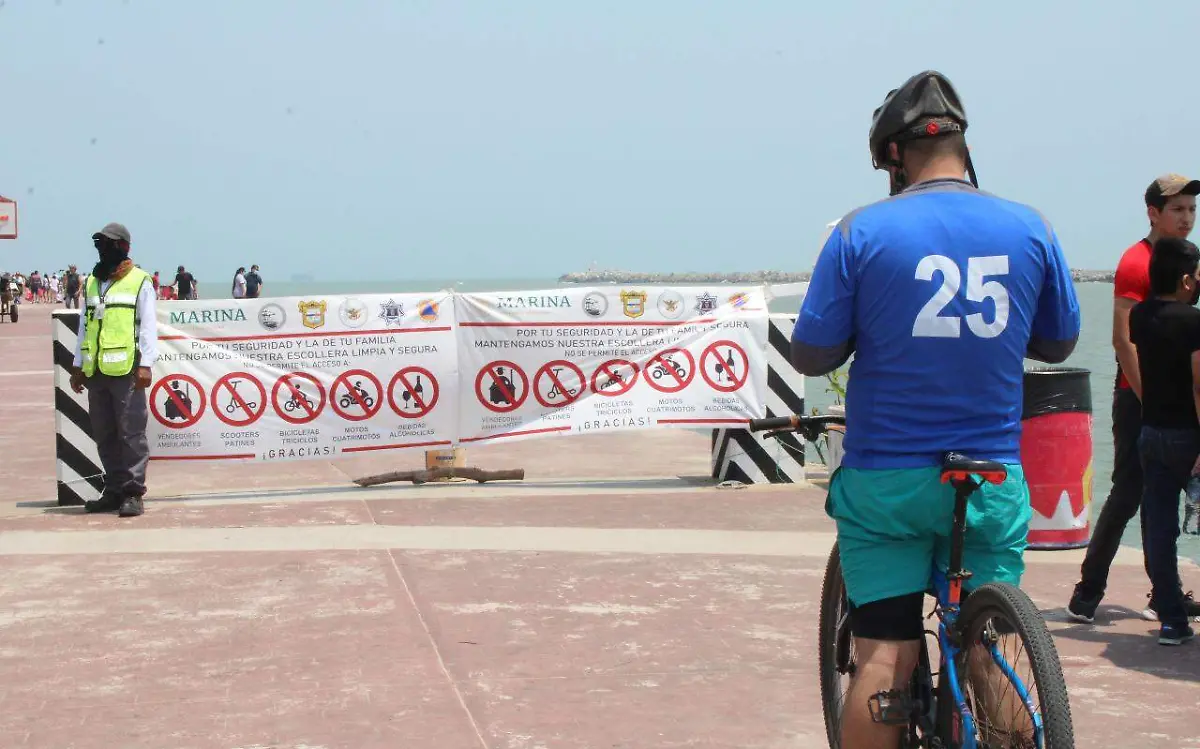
[728, 374]
[414, 390]
[251, 407]
[553, 390]
[609, 380]
[178, 410]
[666, 373]
[503, 394]
[298, 408]
[355, 396]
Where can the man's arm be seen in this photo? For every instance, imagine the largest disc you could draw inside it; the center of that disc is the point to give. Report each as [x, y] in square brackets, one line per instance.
[1126, 352]
[147, 333]
[77, 362]
[1196, 386]
[1056, 322]
[823, 338]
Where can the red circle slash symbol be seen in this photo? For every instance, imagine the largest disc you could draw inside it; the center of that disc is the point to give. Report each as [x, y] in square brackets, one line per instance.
[298, 406]
[614, 377]
[553, 388]
[418, 392]
[243, 407]
[357, 400]
[501, 392]
[725, 366]
[178, 410]
[670, 370]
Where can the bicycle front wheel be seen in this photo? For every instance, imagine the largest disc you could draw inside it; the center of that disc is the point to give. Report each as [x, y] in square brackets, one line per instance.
[1009, 672]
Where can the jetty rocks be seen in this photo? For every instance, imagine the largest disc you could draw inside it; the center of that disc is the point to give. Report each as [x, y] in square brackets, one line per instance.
[752, 277]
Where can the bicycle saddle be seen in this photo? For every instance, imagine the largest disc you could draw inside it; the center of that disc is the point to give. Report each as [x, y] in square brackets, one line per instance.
[959, 467]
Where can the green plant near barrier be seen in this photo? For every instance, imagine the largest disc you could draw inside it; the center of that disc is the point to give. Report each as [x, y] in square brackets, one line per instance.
[837, 380]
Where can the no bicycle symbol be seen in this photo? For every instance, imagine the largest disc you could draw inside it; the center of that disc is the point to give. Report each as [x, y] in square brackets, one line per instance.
[614, 377]
[725, 366]
[418, 392]
[171, 401]
[501, 386]
[558, 383]
[292, 397]
[356, 395]
[239, 399]
[670, 370]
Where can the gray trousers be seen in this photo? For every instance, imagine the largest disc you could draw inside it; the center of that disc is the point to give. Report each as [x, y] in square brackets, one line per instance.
[119, 415]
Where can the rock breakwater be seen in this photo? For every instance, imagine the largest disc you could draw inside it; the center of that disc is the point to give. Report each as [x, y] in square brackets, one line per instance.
[751, 277]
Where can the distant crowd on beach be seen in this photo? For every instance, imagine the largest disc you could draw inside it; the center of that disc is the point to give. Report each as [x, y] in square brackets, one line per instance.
[66, 286]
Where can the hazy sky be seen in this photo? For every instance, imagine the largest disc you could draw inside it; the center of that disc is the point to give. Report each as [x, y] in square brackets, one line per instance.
[432, 139]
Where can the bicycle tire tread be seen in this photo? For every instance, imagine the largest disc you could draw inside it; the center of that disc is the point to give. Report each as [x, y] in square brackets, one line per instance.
[826, 624]
[1043, 655]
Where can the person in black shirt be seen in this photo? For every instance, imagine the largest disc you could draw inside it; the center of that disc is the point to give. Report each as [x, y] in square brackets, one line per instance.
[185, 285]
[72, 288]
[254, 283]
[1166, 331]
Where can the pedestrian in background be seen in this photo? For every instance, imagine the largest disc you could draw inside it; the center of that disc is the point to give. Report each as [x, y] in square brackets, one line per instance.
[254, 283]
[239, 283]
[116, 348]
[1171, 209]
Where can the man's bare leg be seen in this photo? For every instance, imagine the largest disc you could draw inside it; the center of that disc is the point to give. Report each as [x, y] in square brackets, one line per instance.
[881, 665]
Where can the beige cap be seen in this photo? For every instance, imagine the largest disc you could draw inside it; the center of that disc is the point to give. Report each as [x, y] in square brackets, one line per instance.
[1169, 185]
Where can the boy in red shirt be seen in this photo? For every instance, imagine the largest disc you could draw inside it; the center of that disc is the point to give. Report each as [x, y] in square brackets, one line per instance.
[1171, 208]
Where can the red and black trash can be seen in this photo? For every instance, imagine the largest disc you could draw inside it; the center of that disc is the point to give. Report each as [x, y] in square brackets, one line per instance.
[1056, 453]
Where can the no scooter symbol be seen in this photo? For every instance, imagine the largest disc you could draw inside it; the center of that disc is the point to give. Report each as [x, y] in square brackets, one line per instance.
[234, 399]
[558, 383]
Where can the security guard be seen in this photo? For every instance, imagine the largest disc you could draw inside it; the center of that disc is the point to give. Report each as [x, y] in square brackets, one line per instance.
[117, 346]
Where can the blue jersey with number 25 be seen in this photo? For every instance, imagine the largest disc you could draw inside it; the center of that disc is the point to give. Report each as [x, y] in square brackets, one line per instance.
[938, 289]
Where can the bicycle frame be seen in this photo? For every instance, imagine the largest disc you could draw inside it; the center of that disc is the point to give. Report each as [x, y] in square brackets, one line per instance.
[947, 589]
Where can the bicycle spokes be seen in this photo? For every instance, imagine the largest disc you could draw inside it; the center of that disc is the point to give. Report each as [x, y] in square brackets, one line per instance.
[1000, 689]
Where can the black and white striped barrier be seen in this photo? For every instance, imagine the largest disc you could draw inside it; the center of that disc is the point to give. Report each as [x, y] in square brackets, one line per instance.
[79, 473]
[749, 458]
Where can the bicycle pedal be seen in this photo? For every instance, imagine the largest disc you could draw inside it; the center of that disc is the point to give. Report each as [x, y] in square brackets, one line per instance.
[893, 707]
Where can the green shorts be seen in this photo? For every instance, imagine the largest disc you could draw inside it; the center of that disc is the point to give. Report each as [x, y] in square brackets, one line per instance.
[892, 525]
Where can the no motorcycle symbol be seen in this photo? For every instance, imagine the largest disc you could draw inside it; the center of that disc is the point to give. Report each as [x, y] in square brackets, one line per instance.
[356, 395]
[670, 370]
[171, 401]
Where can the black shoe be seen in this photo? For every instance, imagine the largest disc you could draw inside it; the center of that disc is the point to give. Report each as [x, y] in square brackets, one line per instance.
[1082, 609]
[104, 504]
[131, 507]
[1190, 607]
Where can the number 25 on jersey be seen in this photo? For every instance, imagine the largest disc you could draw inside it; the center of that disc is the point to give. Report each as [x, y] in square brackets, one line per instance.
[930, 323]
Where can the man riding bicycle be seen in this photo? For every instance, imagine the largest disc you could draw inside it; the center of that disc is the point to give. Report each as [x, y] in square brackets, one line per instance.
[940, 291]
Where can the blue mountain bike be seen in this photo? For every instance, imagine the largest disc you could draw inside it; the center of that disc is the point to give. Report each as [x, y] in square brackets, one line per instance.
[999, 683]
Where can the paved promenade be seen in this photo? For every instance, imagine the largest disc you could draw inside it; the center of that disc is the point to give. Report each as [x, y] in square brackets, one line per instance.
[613, 599]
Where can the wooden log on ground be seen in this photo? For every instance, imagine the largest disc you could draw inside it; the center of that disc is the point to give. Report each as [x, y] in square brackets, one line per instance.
[481, 475]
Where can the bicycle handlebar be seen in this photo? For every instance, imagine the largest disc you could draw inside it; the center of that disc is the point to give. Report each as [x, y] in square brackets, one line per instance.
[796, 423]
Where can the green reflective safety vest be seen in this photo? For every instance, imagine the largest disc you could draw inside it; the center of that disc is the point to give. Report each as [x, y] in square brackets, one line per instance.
[110, 339]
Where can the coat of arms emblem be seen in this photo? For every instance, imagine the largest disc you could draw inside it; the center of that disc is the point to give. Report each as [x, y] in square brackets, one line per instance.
[633, 303]
[312, 314]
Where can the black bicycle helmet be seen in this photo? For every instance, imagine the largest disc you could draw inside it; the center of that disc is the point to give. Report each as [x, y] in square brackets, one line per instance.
[925, 105]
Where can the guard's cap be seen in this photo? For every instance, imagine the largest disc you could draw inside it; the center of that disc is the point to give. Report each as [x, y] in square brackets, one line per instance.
[1169, 185]
[113, 231]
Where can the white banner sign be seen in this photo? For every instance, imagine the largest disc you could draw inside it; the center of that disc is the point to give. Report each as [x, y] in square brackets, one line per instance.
[303, 377]
[589, 360]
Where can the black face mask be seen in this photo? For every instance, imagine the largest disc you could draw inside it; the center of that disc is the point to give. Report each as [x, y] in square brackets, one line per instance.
[111, 256]
[1195, 295]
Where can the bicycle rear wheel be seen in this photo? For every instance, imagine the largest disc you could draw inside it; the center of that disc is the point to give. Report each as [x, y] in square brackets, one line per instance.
[1002, 630]
[835, 656]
